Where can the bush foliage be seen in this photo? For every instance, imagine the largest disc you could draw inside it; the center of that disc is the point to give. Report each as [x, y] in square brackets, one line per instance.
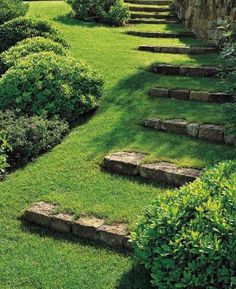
[4, 147]
[46, 83]
[30, 136]
[187, 238]
[113, 12]
[10, 9]
[26, 47]
[18, 29]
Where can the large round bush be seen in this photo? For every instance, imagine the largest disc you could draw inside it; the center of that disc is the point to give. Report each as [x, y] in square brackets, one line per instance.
[187, 239]
[113, 12]
[26, 47]
[21, 28]
[10, 9]
[45, 83]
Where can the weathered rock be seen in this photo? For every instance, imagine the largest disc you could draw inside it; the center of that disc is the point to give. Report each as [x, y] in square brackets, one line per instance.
[159, 92]
[128, 244]
[198, 71]
[153, 123]
[62, 223]
[113, 235]
[193, 129]
[213, 133]
[178, 126]
[162, 35]
[123, 162]
[40, 214]
[185, 175]
[199, 95]
[87, 227]
[166, 69]
[181, 94]
[230, 140]
[221, 97]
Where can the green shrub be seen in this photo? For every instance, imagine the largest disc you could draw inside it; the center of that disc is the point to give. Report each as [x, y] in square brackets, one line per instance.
[187, 238]
[30, 136]
[4, 147]
[113, 12]
[26, 47]
[10, 9]
[21, 28]
[45, 83]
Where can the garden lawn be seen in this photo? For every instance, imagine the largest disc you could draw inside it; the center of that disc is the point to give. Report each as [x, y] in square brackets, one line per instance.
[70, 175]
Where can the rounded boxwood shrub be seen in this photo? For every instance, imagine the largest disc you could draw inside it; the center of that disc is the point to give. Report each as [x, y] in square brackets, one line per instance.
[21, 28]
[113, 12]
[10, 9]
[187, 238]
[30, 136]
[46, 83]
[26, 47]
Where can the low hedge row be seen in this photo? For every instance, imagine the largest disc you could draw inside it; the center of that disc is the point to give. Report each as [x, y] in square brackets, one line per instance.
[10, 9]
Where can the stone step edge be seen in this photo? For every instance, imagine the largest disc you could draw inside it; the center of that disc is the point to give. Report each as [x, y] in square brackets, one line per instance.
[178, 49]
[130, 164]
[149, 2]
[197, 71]
[87, 228]
[161, 34]
[208, 132]
[194, 95]
[148, 21]
[139, 16]
[149, 9]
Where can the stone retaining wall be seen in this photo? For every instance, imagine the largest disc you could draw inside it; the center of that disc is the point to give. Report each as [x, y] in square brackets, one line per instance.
[204, 17]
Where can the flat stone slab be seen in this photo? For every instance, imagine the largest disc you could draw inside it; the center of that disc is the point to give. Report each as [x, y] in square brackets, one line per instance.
[147, 21]
[210, 132]
[165, 173]
[89, 228]
[124, 162]
[194, 95]
[149, 2]
[149, 9]
[186, 34]
[169, 174]
[177, 49]
[153, 16]
[202, 71]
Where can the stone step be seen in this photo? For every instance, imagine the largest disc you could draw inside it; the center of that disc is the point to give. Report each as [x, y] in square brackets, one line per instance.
[153, 16]
[198, 71]
[185, 34]
[149, 21]
[178, 49]
[87, 228]
[130, 163]
[209, 132]
[149, 2]
[149, 9]
[195, 95]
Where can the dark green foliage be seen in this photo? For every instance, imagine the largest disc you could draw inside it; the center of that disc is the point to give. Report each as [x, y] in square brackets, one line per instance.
[26, 47]
[46, 83]
[113, 12]
[30, 136]
[21, 28]
[4, 147]
[187, 239]
[10, 9]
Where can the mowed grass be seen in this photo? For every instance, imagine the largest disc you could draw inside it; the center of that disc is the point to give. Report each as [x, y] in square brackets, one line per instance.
[70, 175]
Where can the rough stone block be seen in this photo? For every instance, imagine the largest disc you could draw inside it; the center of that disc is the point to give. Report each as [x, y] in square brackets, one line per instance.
[198, 71]
[199, 95]
[40, 214]
[181, 94]
[183, 176]
[86, 227]
[175, 125]
[213, 133]
[62, 223]
[153, 123]
[159, 92]
[123, 162]
[166, 69]
[127, 244]
[220, 97]
[230, 140]
[193, 129]
[113, 235]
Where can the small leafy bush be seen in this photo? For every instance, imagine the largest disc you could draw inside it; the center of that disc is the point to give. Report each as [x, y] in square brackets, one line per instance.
[30, 136]
[113, 12]
[10, 9]
[4, 147]
[187, 238]
[46, 83]
[18, 29]
[26, 47]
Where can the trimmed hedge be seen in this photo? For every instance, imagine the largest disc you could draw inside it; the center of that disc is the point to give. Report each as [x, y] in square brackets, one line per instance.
[18, 29]
[26, 47]
[30, 136]
[187, 238]
[45, 83]
[10, 9]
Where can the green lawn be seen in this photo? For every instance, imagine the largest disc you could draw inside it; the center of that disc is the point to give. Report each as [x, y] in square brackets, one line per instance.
[70, 174]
